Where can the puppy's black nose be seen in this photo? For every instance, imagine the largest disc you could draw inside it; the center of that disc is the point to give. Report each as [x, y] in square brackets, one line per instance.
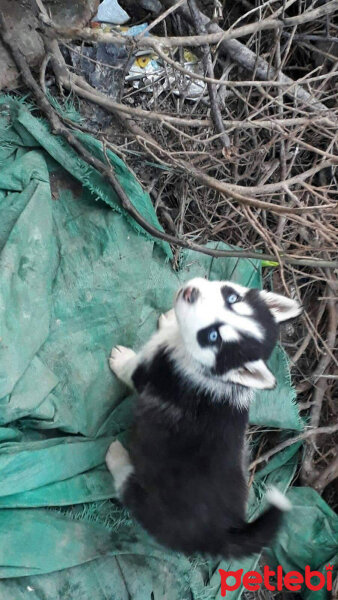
[190, 294]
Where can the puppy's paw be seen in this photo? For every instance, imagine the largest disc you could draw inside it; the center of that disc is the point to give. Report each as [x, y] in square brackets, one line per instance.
[118, 463]
[167, 319]
[119, 357]
[117, 457]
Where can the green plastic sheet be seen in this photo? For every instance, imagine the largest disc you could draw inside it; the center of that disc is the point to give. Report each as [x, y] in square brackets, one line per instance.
[309, 537]
[78, 275]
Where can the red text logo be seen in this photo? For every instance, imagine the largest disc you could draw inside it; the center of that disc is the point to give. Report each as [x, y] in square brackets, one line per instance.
[292, 581]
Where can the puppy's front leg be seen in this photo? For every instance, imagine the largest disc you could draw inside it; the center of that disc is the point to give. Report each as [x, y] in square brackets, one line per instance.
[123, 362]
[118, 463]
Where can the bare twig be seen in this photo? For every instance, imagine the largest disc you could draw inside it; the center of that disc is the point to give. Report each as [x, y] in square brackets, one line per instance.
[309, 433]
[242, 55]
[209, 70]
[153, 42]
[59, 129]
[329, 474]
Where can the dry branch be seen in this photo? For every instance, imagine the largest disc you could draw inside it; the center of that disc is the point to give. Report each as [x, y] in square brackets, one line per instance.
[106, 170]
[309, 433]
[209, 70]
[241, 54]
[196, 41]
[227, 42]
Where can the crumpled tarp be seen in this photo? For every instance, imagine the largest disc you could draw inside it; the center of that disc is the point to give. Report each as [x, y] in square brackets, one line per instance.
[309, 537]
[78, 275]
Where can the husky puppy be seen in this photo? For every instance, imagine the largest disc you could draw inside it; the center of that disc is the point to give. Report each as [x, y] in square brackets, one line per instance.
[184, 478]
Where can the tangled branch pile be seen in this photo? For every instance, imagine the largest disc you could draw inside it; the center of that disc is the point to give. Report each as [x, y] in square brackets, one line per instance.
[251, 161]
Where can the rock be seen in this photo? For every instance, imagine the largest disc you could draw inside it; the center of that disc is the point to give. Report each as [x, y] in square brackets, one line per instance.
[20, 18]
[139, 9]
[154, 6]
[76, 13]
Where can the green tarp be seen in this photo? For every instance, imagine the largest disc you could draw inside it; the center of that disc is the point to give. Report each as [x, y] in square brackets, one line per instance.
[78, 275]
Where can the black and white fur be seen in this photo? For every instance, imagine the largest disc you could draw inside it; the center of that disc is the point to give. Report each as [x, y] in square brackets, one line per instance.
[184, 478]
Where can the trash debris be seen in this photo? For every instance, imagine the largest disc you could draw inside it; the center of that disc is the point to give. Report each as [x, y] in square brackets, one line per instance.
[128, 31]
[104, 67]
[145, 67]
[150, 69]
[110, 11]
[107, 66]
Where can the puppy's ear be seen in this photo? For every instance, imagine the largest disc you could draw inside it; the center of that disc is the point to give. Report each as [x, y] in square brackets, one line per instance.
[254, 375]
[281, 307]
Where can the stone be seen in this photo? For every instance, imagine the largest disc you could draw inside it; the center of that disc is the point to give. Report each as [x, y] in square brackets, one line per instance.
[22, 20]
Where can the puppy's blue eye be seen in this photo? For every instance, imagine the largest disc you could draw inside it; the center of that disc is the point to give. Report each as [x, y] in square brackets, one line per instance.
[213, 336]
[233, 298]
